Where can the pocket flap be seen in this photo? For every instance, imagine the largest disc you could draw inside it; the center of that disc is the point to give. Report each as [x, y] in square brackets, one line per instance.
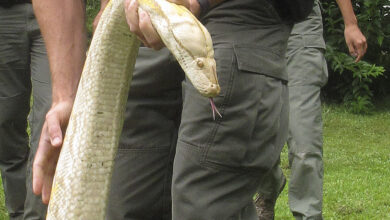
[314, 40]
[257, 59]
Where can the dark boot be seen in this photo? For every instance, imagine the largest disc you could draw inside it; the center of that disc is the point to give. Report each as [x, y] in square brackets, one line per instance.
[265, 207]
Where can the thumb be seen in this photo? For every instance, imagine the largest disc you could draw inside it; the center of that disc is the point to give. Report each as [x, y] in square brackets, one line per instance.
[352, 49]
[55, 132]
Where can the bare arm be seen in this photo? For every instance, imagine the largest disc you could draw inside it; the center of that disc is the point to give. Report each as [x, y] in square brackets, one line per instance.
[356, 42]
[63, 28]
[103, 4]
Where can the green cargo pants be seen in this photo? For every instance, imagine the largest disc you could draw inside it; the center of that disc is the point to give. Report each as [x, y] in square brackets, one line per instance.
[307, 72]
[141, 180]
[213, 170]
[305, 133]
[23, 68]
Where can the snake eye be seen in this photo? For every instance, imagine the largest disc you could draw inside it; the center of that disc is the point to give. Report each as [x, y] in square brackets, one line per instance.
[200, 63]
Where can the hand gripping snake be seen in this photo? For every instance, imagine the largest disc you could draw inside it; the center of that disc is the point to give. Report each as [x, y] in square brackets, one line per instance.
[82, 178]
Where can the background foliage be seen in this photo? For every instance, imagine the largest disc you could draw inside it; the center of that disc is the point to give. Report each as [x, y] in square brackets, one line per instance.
[92, 8]
[357, 85]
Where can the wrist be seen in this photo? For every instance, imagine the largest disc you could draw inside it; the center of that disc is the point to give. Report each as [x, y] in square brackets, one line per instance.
[350, 22]
[350, 26]
[58, 99]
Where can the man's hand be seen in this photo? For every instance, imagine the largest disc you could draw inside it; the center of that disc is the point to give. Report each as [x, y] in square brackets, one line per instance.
[140, 24]
[356, 42]
[49, 148]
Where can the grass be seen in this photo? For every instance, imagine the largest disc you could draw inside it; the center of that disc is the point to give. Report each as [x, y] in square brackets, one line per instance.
[356, 164]
[3, 211]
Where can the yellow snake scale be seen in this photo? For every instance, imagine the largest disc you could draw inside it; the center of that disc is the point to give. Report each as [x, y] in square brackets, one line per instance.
[83, 172]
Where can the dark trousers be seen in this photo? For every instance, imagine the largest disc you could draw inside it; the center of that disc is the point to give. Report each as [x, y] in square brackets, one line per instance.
[188, 166]
[24, 69]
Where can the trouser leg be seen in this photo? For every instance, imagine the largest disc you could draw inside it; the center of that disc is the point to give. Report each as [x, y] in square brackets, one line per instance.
[273, 184]
[202, 193]
[41, 84]
[15, 88]
[307, 74]
[14, 151]
[306, 66]
[305, 152]
[219, 164]
[141, 181]
[305, 156]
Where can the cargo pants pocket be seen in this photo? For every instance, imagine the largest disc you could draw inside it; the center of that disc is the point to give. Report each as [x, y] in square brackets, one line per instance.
[245, 138]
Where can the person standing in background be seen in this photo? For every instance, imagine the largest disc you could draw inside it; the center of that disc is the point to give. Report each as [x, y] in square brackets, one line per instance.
[307, 74]
[24, 69]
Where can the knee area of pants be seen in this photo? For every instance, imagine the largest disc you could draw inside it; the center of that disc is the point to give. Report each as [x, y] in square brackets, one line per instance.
[306, 158]
[306, 155]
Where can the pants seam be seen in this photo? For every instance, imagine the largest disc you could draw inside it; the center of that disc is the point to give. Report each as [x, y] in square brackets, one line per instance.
[223, 106]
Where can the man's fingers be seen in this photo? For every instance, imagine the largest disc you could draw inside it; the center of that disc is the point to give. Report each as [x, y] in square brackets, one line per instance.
[44, 164]
[47, 184]
[358, 58]
[54, 129]
[151, 36]
[131, 9]
[356, 42]
[351, 49]
[360, 47]
[44, 167]
[360, 53]
[39, 161]
[140, 24]
[37, 179]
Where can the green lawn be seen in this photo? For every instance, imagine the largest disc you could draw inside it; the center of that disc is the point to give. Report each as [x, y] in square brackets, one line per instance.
[357, 166]
[3, 212]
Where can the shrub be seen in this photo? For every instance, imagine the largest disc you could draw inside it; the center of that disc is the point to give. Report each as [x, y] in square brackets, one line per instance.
[357, 84]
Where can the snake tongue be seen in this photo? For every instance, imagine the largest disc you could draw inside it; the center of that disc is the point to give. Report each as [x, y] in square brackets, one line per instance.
[214, 109]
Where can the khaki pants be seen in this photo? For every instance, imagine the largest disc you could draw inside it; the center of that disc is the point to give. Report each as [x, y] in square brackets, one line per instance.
[307, 72]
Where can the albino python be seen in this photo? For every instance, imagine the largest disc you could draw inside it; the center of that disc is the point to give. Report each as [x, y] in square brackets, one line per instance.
[83, 172]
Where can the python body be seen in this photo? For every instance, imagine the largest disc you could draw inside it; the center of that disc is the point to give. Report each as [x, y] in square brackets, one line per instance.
[83, 172]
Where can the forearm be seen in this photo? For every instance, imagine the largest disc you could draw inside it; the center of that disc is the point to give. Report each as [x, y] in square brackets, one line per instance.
[103, 4]
[356, 42]
[62, 25]
[347, 12]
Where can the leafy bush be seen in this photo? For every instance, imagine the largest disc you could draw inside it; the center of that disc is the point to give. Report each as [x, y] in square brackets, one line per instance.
[92, 8]
[354, 87]
[356, 84]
